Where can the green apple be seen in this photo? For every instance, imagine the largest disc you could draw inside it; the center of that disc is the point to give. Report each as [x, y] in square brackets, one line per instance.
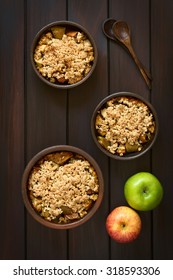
[123, 224]
[143, 191]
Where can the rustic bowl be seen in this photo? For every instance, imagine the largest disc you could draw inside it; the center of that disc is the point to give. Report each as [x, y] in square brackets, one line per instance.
[69, 26]
[25, 192]
[97, 136]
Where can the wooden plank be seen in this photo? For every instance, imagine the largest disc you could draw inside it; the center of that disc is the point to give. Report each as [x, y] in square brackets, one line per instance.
[124, 76]
[45, 126]
[11, 127]
[162, 98]
[90, 241]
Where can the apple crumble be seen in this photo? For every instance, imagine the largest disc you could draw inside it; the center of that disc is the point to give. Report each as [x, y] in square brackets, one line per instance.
[63, 187]
[62, 56]
[124, 125]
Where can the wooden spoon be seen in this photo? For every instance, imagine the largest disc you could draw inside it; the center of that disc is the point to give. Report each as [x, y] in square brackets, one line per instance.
[107, 29]
[121, 31]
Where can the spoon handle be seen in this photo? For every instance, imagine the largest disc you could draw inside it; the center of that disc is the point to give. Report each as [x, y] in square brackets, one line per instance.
[144, 72]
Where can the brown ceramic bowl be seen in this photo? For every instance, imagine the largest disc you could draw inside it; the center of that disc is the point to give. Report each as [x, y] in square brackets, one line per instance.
[124, 125]
[59, 62]
[62, 187]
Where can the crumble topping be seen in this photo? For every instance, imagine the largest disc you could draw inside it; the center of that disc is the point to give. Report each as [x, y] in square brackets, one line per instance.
[124, 125]
[64, 57]
[63, 187]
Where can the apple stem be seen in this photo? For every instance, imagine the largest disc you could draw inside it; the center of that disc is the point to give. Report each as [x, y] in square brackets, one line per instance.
[123, 225]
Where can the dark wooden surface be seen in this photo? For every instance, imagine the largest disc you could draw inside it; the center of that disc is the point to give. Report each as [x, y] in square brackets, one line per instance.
[34, 116]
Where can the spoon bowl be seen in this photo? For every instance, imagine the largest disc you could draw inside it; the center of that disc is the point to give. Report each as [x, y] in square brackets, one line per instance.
[121, 31]
[107, 28]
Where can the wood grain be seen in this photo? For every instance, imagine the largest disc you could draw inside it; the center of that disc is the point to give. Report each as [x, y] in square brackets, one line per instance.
[12, 231]
[34, 116]
[124, 76]
[82, 101]
[46, 116]
[162, 61]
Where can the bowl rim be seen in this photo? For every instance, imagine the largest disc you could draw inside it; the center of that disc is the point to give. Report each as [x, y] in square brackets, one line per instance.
[130, 155]
[66, 23]
[27, 171]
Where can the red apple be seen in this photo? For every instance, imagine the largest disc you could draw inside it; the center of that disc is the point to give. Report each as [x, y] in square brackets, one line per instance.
[123, 224]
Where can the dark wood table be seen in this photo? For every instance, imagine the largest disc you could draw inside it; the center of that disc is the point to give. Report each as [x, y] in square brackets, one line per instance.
[34, 116]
